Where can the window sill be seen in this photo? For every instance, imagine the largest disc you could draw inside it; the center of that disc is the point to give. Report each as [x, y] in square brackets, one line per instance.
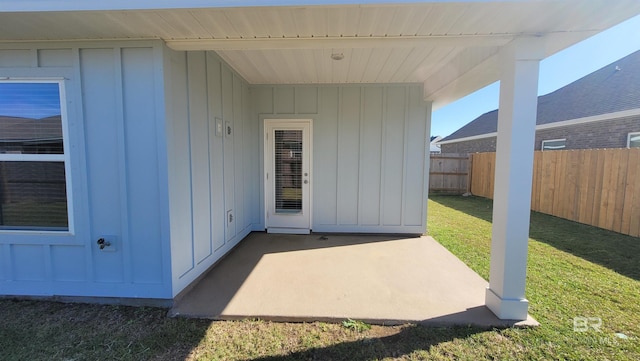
[40, 238]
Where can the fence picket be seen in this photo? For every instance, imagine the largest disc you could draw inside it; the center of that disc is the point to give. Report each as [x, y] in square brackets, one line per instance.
[600, 187]
[449, 173]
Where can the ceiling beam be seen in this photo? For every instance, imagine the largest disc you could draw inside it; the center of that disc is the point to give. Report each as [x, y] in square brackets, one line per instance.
[83, 5]
[341, 42]
[451, 83]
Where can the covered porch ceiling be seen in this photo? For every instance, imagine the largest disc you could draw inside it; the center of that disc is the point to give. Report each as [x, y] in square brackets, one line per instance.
[450, 47]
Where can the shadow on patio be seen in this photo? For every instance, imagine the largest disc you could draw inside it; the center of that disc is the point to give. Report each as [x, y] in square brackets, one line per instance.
[377, 279]
[615, 251]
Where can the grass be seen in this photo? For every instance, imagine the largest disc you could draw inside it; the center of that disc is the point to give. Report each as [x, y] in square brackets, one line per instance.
[574, 271]
[356, 325]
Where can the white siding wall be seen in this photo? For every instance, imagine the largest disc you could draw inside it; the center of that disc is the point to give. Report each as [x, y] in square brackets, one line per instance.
[209, 175]
[118, 170]
[148, 168]
[369, 157]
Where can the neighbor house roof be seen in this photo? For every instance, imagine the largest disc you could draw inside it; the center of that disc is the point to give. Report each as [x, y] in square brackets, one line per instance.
[611, 89]
[433, 144]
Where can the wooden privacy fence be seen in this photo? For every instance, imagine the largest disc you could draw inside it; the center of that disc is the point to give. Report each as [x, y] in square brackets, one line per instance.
[449, 173]
[599, 187]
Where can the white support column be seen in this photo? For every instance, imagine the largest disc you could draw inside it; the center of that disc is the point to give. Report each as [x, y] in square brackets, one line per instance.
[513, 176]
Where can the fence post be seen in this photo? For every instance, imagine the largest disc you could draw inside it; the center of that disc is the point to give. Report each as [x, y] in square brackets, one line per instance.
[469, 172]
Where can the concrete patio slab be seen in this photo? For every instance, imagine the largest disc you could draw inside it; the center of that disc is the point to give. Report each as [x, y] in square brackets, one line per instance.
[378, 279]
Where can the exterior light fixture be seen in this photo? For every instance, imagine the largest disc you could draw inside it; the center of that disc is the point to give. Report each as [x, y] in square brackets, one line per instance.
[337, 56]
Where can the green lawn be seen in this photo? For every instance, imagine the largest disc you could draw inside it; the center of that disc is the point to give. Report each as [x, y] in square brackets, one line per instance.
[574, 271]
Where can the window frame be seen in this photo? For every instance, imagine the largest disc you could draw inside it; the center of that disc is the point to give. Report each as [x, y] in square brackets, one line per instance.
[552, 140]
[64, 158]
[631, 134]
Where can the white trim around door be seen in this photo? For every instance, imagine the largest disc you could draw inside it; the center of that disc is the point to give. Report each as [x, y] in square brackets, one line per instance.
[287, 175]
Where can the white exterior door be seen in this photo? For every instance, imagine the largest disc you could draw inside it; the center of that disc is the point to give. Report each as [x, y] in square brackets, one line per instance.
[287, 175]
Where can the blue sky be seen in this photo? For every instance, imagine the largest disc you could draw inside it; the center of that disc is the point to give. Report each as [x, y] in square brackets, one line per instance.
[555, 71]
[29, 100]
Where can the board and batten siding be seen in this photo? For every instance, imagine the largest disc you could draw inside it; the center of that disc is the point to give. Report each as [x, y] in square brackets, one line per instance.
[212, 176]
[369, 159]
[149, 170]
[115, 110]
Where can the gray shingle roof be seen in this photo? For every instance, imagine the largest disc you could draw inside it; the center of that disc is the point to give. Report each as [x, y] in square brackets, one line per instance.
[613, 88]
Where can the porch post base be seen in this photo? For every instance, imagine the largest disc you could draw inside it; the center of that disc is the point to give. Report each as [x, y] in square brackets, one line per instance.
[507, 309]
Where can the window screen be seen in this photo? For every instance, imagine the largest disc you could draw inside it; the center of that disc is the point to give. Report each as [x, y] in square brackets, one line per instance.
[634, 140]
[33, 191]
[554, 144]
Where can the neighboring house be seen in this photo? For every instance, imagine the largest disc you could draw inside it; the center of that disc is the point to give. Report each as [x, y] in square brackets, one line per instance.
[188, 124]
[434, 148]
[600, 110]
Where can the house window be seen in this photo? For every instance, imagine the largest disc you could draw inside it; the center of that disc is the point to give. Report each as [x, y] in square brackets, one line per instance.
[554, 144]
[633, 140]
[33, 160]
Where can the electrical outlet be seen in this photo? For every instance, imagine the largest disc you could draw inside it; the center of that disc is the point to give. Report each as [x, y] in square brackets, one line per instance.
[229, 216]
[229, 129]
